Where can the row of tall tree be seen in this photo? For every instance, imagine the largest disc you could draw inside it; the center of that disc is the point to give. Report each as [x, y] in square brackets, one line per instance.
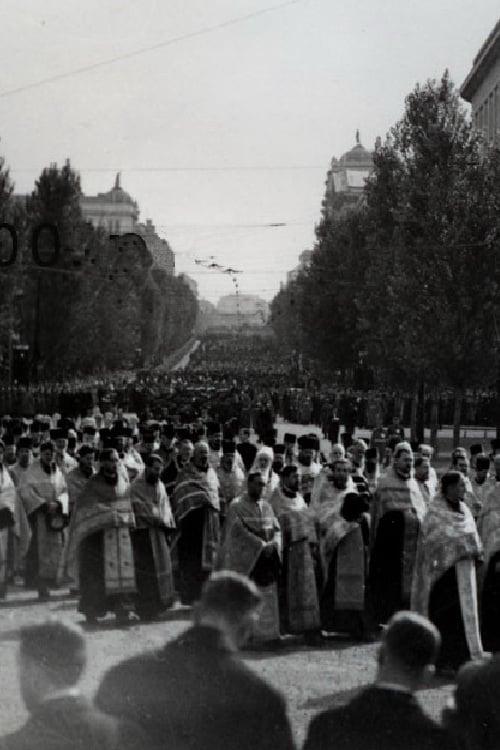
[409, 281]
[103, 304]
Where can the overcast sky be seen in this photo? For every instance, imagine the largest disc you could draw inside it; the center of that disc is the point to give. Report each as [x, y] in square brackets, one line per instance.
[245, 118]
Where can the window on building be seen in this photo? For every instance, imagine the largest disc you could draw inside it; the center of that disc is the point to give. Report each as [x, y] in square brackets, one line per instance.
[486, 118]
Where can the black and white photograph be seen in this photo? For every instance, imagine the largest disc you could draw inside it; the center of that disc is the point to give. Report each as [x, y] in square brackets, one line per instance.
[250, 375]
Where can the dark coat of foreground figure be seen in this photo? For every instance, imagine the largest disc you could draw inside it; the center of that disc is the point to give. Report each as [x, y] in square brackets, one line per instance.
[72, 723]
[377, 719]
[197, 694]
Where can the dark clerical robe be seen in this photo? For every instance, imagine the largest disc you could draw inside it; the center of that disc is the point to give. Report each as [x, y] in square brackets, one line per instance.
[397, 513]
[196, 512]
[489, 529]
[252, 547]
[99, 549]
[154, 524]
[444, 582]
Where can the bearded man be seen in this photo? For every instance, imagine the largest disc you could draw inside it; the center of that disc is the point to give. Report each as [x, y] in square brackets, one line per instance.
[252, 547]
[299, 605]
[45, 499]
[196, 507]
[154, 527]
[398, 510]
[99, 550]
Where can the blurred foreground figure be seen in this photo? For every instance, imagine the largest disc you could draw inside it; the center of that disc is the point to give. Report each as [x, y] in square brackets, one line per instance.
[387, 716]
[195, 693]
[52, 658]
[475, 719]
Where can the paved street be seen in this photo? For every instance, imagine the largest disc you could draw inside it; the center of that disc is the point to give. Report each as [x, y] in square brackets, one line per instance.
[311, 678]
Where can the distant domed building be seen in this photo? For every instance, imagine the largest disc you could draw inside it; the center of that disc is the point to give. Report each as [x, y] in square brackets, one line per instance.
[346, 180]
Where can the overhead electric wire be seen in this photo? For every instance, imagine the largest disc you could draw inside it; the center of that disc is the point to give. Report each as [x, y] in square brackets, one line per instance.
[144, 50]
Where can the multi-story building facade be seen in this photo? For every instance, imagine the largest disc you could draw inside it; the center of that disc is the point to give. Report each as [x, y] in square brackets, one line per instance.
[115, 211]
[345, 180]
[482, 88]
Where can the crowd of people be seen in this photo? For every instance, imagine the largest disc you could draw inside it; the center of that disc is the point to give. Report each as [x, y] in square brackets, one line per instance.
[245, 374]
[191, 498]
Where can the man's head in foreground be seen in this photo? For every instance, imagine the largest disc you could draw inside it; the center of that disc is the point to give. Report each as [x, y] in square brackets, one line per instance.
[229, 603]
[408, 651]
[52, 658]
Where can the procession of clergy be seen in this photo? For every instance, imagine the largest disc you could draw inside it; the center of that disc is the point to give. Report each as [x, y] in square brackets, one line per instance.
[134, 515]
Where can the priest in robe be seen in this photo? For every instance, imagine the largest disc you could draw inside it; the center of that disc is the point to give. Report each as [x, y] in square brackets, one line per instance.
[196, 507]
[308, 467]
[264, 464]
[154, 529]
[481, 486]
[342, 522]
[77, 478]
[299, 603]
[14, 529]
[231, 477]
[252, 546]
[489, 530]
[444, 583]
[397, 512]
[99, 554]
[24, 459]
[44, 495]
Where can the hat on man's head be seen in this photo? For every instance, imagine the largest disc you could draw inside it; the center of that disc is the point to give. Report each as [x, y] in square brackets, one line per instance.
[85, 450]
[279, 449]
[476, 449]
[306, 442]
[168, 431]
[290, 437]
[59, 434]
[228, 447]
[269, 439]
[213, 428]
[482, 463]
[25, 442]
